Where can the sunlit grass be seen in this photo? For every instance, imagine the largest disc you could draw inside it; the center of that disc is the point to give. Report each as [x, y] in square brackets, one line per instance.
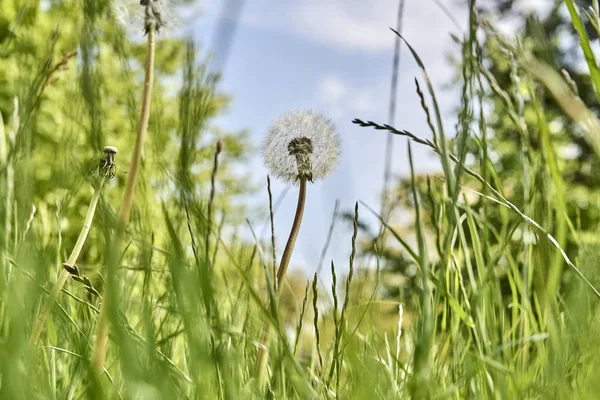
[500, 306]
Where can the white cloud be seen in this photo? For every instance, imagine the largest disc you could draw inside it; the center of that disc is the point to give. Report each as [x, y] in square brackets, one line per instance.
[356, 25]
[343, 26]
[332, 89]
[341, 98]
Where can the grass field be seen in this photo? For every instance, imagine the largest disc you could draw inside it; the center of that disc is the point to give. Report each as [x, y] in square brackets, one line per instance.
[133, 282]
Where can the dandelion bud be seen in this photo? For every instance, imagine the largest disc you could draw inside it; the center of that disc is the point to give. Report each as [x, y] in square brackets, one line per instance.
[301, 145]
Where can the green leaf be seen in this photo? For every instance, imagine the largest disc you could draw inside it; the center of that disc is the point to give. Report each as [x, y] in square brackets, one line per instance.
[585, 46]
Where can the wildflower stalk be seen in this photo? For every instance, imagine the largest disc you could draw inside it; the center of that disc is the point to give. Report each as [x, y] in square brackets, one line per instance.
[64, 275]
[263, 352]
[291, 243]
[103, 324]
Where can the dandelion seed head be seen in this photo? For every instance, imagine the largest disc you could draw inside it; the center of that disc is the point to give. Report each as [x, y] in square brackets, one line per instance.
[301, 144]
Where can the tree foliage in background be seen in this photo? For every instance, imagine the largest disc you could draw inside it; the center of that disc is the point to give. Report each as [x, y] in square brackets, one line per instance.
[77, 72]
[553, 40]
[516, 151]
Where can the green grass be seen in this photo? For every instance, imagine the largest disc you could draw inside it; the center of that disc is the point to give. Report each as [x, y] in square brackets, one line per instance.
[503, 305]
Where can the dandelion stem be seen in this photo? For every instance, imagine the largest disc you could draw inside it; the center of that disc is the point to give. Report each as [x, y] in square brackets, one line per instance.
[64, 275]
[263, 352]
[289, 246]
[103, 325]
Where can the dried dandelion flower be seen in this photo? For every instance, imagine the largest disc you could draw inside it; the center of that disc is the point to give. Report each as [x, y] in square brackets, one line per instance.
[155, 12]
[107, 167]
[301, 145]
[152, 14]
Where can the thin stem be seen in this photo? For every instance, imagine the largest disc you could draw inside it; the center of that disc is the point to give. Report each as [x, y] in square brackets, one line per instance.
[263, 352]
[103, 325]
[389, 144]
[271, 215]
[5, 240]
[210, 201]
[136, 157]
[64, 275]
[9, 162]
[289, 246]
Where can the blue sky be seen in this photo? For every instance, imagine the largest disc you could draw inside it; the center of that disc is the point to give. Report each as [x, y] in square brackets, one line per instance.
[335, 57]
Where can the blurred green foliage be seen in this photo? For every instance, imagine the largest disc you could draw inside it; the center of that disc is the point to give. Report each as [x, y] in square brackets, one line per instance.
[78, 77]
[77, 72]
[490, 258]
[516, 158]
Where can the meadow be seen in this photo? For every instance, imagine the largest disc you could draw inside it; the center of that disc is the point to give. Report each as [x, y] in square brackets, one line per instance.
[129, 268]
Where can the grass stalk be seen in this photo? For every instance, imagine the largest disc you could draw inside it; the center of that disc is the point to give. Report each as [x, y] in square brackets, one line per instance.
[389, 144]
[7, 141]
[211, 199]
[499, 196]
[301, 319]
[341, 323]
[315, 302]
[8, 163]
[272, 220]
[425, 326]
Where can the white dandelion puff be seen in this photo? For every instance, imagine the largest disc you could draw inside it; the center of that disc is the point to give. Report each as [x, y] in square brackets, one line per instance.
[301, 144]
